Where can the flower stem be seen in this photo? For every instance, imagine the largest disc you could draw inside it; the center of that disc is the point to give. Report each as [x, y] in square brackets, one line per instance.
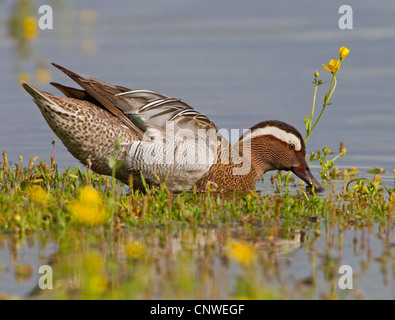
[315, 123]
[334, 87]
[326, 102]
[312, 112]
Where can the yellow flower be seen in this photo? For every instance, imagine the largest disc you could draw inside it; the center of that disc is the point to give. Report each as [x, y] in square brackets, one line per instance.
[343, 151]
[89, 209]
[97, 284]
[37, 194]
[43, 75]
[241, 252]
[30, 27]
[135, 249]
[23, 76]
[343, 52]
[93, 262]
[94, 267]
[90, 195]
[332, 66]
[392, 198]
[316, 74]
[88, 215]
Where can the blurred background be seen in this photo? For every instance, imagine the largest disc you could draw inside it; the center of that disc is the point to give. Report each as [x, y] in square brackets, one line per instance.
[238, 62]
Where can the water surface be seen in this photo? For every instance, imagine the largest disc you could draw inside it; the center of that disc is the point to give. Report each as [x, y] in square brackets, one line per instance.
[237, 63]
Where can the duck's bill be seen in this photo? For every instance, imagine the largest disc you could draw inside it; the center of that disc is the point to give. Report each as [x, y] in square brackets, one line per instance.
[304, 173]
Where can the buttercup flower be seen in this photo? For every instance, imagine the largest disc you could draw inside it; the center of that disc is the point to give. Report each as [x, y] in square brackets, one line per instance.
[89, 209]
[87, 214]
[93, 262]
[332, 66]
[94, 266]
[90, 195]
[135, 249]
[241, 252]
[30, 27]
[343, 52]
[37, 194]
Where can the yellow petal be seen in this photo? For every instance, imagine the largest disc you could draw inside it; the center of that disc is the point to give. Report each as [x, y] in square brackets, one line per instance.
[326, 68]
[37, 194]
[30, 27]
[90, 195]
[334, 64]
[88, 214]
[241, 252]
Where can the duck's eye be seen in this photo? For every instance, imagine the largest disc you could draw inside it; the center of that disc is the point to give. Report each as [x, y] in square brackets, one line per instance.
[291, 146]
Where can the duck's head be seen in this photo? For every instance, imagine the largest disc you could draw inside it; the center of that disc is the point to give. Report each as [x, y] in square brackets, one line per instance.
[276, 145]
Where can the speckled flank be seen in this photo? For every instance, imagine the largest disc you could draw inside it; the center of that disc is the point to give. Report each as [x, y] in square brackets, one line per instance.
[87, 131]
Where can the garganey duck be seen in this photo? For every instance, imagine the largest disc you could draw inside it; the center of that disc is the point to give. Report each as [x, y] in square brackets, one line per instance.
[164, 138]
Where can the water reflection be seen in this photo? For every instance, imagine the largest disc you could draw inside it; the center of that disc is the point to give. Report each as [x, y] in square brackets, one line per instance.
[181, 53]
[23, 29]
[19, 263]
[200, 264]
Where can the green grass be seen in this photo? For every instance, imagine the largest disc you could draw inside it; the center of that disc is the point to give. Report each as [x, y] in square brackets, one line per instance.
[160, 245]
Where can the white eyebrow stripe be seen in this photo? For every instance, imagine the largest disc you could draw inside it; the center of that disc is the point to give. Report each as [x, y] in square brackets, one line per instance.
[280, 134]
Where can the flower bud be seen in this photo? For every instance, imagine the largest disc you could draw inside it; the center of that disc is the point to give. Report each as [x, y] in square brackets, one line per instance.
[343, 52]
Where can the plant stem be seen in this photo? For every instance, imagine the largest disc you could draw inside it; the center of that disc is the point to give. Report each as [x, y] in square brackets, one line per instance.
[330, 87]
[312, 112]
[315, 123]
[330, 91]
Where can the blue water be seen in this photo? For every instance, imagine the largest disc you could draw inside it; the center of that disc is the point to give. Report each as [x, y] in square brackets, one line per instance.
[239, 64]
